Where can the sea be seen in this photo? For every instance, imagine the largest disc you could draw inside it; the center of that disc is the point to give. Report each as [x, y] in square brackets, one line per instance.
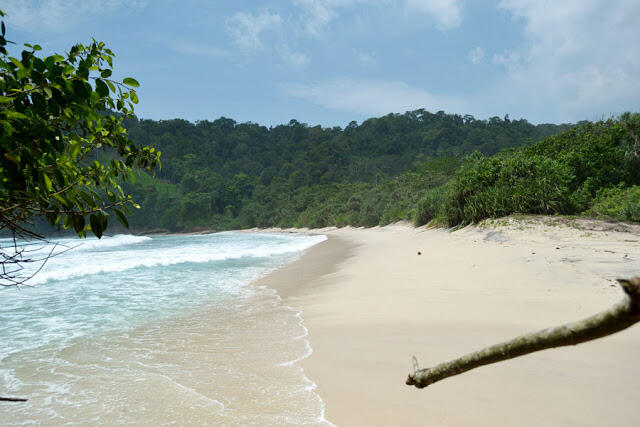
[156, 330]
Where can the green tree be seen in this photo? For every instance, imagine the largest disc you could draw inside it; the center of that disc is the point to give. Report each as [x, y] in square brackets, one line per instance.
[63, 149]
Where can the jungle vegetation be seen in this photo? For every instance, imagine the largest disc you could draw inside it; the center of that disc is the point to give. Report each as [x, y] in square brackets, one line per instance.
[226, 175]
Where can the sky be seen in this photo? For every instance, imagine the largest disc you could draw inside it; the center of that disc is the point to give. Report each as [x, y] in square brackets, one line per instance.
[329, 62]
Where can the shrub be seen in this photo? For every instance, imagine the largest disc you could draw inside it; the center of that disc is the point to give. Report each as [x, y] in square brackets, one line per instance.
[429, 207]
[505, 184]
[617, 203]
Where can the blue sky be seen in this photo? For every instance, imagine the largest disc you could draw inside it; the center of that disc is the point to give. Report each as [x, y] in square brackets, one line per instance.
[332, 61]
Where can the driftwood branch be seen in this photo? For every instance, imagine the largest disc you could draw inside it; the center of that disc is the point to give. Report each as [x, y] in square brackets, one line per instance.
[12, 399]
[619, 317]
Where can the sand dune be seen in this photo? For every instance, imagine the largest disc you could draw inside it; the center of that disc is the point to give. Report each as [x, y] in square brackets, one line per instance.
[370, 302]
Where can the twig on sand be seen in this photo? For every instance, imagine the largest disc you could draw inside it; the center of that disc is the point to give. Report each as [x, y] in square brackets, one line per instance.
[619, 317]
[12, 399]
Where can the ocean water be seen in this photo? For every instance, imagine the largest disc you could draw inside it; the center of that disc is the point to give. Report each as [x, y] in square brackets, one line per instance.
[157, 330]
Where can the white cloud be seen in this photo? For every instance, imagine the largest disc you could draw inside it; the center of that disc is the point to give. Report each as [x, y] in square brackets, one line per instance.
[366, 59]
[476, 55]
[296, 59]
[581, 56]
[447, 14]
[509, 59]
[371, 97]
[316, 15]
[58, 15]
[246, 28]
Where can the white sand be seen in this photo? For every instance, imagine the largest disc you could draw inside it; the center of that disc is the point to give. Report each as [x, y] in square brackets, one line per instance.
[370, 303]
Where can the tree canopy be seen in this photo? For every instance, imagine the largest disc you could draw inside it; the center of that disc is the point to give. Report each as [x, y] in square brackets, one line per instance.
[222, 174]
[64, 152]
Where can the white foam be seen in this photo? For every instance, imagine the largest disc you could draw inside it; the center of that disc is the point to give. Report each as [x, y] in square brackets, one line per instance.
[57, 269]
[109, 242]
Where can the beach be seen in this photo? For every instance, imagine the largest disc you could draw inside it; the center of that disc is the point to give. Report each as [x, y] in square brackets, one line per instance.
[370, 302]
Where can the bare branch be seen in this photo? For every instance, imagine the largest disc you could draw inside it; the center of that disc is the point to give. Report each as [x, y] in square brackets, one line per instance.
[619, 317]
[13, 260]
[13, 399]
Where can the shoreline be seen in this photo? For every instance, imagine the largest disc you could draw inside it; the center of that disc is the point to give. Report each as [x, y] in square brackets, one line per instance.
[369, 303]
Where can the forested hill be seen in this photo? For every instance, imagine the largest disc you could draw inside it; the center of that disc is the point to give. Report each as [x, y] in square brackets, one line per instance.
[303, 155]
[224, 174]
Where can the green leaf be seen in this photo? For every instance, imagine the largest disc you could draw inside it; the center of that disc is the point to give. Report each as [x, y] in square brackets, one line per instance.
[102, 88]
[105, 73]
[131, 82]
[121, 217]
[96, 225]
[15, 115]
[16, 62]
[62, 200]
[47, 182]
[5, 100]
[134, 96]
[77, 221]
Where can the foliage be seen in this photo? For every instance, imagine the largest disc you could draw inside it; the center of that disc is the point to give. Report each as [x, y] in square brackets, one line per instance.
[56, 113]
[294, 174]
[559, 175]
[617, 203]
[430, 206]
[508, 183]
[600, 154]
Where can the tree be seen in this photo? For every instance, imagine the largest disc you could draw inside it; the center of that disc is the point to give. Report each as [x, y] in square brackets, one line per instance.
[64, 152]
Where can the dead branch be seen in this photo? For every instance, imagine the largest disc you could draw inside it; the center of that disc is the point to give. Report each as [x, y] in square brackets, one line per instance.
[619, 317]
[14, 259]
[12, 399]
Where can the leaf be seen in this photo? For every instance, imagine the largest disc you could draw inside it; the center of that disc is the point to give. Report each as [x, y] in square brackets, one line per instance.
[134, 96]
[16, 62]
[12, 158]
[96, 225]
[105, 73]
[77, 221]
[105, 220]
[131, 82]
[5, 100]
[121, 217]
[47, 182]
[102, 88]
[88, 200]
[15, 115]
[62, 200]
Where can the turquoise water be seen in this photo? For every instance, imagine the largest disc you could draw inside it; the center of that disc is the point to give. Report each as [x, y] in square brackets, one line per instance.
[162, 329]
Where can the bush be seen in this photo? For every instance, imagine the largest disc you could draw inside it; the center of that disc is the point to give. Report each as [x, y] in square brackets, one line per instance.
[617, 203]
[505, 184]
[429, 207]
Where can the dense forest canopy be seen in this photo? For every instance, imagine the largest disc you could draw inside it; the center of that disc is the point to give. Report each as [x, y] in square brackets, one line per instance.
[224, 174]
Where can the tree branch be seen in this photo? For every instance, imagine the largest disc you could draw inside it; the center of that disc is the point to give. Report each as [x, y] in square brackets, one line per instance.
[619, 317]
[12, 399]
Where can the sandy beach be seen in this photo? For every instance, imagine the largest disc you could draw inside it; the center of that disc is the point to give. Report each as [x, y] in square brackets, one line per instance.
[370, 302]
